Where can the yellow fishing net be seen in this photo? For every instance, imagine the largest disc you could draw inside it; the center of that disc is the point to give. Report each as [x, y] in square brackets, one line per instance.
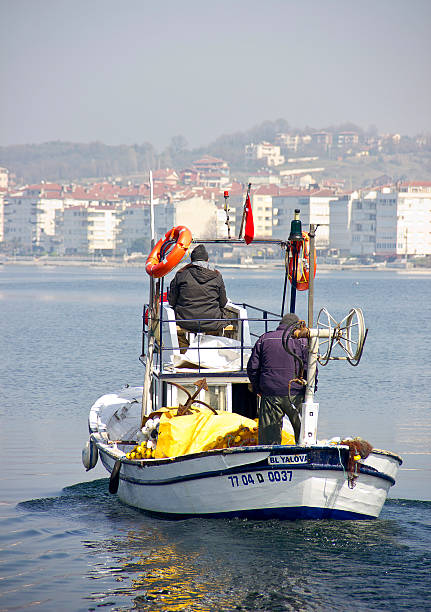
[203, 430]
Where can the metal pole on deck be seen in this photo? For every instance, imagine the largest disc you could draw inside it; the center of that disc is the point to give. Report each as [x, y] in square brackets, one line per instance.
[152, 315]
[312, 234]
[244, 211]
[286, 276]
[310, 409]
[295, 238]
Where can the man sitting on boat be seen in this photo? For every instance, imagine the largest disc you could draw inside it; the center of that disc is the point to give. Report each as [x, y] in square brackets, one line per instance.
[270, 370]
[197, 292]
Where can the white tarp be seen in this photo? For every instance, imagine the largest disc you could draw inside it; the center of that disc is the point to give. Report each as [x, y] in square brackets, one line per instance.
[213, 352]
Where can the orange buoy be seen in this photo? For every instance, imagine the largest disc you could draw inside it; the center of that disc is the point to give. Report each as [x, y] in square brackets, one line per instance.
[169, 251]
[303, 268]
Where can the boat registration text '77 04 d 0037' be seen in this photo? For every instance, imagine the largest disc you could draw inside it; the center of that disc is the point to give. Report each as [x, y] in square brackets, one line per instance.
[286, 459]
[258, 478]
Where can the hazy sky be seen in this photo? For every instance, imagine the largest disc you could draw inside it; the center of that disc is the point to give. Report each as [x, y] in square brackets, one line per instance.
[131, 71]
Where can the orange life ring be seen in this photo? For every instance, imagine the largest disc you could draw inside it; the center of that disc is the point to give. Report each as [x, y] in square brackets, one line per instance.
[169, 251]
[303, 269]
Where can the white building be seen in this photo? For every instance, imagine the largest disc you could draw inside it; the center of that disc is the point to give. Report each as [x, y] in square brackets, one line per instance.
[284, 205]
[262, 206]
[320, 202]
[72, 230]
[414, 219]
[314, 206]
[4, 178]
[135, 224]
[386, 222]
[266, 151]
[289, 142]
[20, 221]
[340, 219]
[264, 177]
[102, 229]
[221, 225]
[29, 217]
[87, 230]
[2, 197]
[363, 224]
[393, 222]
[198, 214]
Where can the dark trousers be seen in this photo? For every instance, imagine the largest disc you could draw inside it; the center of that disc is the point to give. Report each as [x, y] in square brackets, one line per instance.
[272, 410]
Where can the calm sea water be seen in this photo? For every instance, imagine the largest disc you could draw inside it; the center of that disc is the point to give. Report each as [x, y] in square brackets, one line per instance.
[68, 335]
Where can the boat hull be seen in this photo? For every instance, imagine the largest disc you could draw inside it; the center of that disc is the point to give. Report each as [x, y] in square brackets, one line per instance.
[255, 488]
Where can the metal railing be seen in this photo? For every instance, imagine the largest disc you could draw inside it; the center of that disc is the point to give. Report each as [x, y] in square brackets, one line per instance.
[163, 350]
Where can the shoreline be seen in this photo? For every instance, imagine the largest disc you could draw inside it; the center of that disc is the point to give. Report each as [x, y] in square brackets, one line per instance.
[117, 263]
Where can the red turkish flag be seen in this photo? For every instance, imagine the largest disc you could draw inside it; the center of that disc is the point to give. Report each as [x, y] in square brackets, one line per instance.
[249, 224]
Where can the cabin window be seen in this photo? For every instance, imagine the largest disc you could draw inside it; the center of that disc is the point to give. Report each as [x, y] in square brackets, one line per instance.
[218, 396]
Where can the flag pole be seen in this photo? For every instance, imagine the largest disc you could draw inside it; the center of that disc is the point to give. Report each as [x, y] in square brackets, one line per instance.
[226, 208]
[244, 211]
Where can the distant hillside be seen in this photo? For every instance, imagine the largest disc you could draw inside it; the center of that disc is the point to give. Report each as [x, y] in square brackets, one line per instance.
[66, 161]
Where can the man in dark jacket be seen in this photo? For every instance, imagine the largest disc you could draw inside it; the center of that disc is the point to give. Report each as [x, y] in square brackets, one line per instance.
[198, 292]
[270, 369]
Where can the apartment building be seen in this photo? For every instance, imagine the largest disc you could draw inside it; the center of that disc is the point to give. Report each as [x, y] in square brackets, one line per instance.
[288, 142]
[4, 178]
[134, 223]
[340, 218]
[284, 205]
[199, 214]
[265, 177]
[392, 221]
[29, 217]
[86, 230]
[211, 172]
[262, 206]
[2, 197]
[314, 205]
[71, 229]
[266, 151]
[321, 139]
[363, 224]
[346, 139]
[414, 219]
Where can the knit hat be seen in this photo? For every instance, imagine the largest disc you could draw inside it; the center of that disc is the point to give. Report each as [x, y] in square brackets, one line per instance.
[289, 319]
[199, 253]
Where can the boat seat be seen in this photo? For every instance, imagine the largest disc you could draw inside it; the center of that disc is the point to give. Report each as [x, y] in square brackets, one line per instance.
[185, 337]
[228, 331]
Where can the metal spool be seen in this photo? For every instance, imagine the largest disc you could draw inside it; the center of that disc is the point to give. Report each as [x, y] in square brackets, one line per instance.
[349, 334]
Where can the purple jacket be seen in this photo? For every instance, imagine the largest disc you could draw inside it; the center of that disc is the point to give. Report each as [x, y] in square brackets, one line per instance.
[270, 367]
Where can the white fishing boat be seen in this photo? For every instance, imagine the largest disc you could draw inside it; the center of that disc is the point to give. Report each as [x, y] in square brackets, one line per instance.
[232, 476]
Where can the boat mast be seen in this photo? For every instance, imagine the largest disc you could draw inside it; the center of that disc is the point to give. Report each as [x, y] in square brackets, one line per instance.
[152, 315]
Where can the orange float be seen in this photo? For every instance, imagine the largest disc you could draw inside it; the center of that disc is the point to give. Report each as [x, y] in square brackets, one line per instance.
[303, 268]
[169, 251]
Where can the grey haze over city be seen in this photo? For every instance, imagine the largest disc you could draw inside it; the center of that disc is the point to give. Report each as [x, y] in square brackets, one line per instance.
[140, 71]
